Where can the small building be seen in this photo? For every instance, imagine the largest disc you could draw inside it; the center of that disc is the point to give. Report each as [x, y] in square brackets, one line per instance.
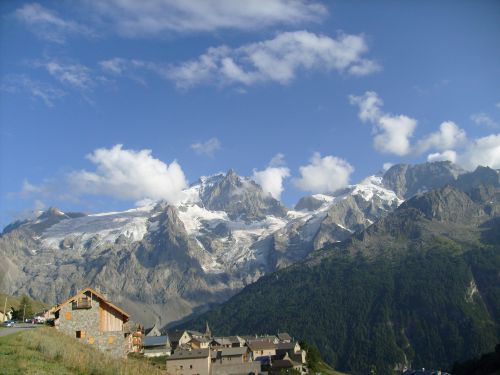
[7, 314]
[221, 342]
[284, 337]
[200, 343]
[232, 355]
[153, 331]
[260, 348]
[236, 341]
[89, 317]
[189, 362]
[195, 334]
[284, 365]
[179, 339]
[292, 349]
[156, 346]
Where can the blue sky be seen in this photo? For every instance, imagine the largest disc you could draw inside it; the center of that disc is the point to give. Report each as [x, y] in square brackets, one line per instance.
[305, 96]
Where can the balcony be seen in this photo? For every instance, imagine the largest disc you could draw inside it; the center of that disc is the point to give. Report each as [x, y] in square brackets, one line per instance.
[81, 303]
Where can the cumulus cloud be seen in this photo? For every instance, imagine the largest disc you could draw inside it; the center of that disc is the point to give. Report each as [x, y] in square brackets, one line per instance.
[275, 60]
[324, 174]
[448, 155]
[133, 18]
[271, 179]
[392, 133]
[37, 90]
[129, 174]
[47, 25]
[484, 119]
[447, 137]
[483, 151]
[207, 148]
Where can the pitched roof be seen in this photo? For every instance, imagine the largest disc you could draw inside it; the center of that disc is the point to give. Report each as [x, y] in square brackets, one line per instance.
[236, 340]
[285, 345]
[261, 345]
[95, 293]
[189, 354]
[284, 336]
[227, 352]
[155, 341]
[175, 336]
[222, 341]
[194, 333]
[284, 363]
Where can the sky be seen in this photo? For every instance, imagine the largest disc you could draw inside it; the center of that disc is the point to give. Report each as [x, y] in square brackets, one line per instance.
[105, 105]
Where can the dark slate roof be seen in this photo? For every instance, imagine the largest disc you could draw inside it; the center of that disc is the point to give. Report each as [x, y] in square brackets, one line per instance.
[236, 340]
[175, 335]
[155, 341]
[284, 363]
[222, 341]
[285, 346]
[200, 339]
[227, 352]
[284, 336]
[187, 354]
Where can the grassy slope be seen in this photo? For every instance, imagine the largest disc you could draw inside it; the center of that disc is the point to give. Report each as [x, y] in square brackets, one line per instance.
[47, 351]
[14, 302]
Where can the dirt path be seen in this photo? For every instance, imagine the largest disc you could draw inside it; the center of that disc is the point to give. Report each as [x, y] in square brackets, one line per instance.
[19, 327]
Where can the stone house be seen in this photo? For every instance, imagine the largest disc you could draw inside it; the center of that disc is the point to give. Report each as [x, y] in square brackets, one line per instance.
[260, 348]
[153, 331]
[292, 349]
[89, 317]
[284, 337]
[189, 362]
[200, 343]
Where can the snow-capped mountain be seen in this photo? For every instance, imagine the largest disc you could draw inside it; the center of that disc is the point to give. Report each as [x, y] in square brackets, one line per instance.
[177, 259]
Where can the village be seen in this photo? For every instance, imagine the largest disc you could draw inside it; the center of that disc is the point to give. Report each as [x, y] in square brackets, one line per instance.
[91, 318]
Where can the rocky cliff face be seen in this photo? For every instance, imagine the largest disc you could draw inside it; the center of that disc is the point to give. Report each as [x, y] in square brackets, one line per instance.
[169, 261]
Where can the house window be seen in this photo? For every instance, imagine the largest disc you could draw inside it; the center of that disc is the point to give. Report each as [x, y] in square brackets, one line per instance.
[182, 367]
[111, 339]
[80, 334]
[68, 315]
[190, 366]
[91, 340]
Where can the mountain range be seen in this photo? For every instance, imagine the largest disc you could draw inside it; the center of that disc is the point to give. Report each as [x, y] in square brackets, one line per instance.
[170, 262]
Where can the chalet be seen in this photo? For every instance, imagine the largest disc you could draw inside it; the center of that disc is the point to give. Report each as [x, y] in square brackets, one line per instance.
[189, 362]
[91, 318]
[156, 346]
[179, 339]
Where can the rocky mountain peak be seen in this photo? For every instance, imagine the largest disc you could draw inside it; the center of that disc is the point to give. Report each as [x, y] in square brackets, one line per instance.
[240, 197]
[407, 180]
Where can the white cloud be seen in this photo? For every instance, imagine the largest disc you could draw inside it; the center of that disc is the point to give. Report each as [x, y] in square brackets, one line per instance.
[129, 174]
[19, 84]
[448, 155]
[324, 175]
[133, 18]
[47, 25]
[483, 151]
[387, 166]
[484, 119]
[392, 133]
[207, 148]
[75, 75]
[447, 137]
[498, 105]
[276, 60]
[271, 178]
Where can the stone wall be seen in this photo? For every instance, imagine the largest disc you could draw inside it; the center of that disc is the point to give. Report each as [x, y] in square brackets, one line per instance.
[236, 368]
[87, 320]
